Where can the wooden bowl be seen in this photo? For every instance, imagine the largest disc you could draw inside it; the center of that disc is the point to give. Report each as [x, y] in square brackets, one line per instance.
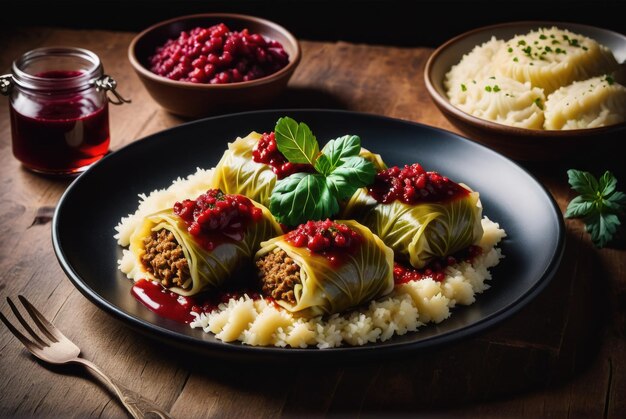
[202, 99]
[520, 143]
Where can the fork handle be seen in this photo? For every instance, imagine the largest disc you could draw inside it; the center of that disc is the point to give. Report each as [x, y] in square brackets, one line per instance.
[137, 405]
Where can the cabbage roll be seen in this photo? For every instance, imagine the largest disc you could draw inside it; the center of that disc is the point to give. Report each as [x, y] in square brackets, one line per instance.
[238, 173]
[197, 245]
[431, 225]
[311, 272]
[241, 169]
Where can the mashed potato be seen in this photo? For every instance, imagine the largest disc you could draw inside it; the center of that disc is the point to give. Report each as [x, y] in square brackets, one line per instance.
[591, 103]
[530, 68]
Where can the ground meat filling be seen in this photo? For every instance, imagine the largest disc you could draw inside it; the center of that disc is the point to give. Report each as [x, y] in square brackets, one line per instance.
[279, 275]
[164, 258]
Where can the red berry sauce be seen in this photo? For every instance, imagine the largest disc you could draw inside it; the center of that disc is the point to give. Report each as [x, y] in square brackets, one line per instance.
[217, 55]
[412, 184]
[163, 302]
[328, 238]
[215, 217]
[436, 269]
[176, 307]
[266, 151]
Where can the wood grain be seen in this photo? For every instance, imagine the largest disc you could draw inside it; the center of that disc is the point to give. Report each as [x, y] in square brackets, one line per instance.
[562, 355]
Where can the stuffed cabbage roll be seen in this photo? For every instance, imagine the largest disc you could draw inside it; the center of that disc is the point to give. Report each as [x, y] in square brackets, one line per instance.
[198, 244]
[238, 173]
[252, 165]
[420, 215]
[325, 267]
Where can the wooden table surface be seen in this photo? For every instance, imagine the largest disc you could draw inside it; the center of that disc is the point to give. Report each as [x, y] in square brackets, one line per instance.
[564, 354]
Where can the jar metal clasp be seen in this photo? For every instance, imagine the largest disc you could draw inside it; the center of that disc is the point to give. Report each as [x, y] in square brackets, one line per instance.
[108, 84]
[6, 81]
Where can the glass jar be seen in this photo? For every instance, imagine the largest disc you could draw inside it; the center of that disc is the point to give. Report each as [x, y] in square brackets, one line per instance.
[59, 109]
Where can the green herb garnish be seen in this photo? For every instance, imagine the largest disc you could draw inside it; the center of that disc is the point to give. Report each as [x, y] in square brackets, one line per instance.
[496, 88]
[340, 171]
[599, 204]
[609, 79]
[463, 87]
[538, 103]
[488, 88]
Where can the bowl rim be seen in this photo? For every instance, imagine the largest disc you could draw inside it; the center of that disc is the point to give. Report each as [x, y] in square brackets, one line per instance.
[289, 68]
[498, 128]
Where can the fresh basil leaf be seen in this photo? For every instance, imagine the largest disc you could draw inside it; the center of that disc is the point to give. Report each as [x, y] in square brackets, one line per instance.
[607, 184]
[296, 141]
[601, 227]
[302, 197]
[582, 182]
[341, 148]
[579, 207]
[323, 165]
[354, 173]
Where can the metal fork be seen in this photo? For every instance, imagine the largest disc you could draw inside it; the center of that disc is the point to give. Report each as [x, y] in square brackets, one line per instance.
[52, 346]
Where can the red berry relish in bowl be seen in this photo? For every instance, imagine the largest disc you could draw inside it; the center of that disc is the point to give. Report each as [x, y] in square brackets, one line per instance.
[412, 184]
[217, 55]
[215, 216]
[266, 151]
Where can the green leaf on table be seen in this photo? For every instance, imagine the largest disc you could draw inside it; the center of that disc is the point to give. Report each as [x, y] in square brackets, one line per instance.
[599, 204]
[582, 182]
[601, 227]
[578, 207]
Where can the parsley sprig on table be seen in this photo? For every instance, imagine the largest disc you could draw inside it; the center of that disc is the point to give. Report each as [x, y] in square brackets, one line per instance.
[339, 172]
[599, 204]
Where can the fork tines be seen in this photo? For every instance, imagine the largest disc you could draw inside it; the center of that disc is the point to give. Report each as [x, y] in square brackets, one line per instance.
[44, 325]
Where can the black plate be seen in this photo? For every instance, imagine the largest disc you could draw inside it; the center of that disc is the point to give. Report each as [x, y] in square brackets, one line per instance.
[83, 225]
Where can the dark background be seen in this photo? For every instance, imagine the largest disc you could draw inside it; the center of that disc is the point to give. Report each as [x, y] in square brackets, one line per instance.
[394, 22]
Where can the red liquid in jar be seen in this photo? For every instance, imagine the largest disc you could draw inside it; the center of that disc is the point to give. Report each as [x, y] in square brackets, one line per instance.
[60, 134]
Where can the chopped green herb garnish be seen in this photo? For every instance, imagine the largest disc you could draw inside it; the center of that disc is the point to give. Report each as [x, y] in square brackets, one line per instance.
[510, 49]
[521, 42]
[542, 36]
[463, 88]
[496, 88]
[515, 59]
[609, 79]
[538, 103]
[488, 88]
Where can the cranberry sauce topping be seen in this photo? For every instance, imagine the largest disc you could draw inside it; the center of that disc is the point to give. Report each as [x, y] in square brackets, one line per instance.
[327, 238]
[163, 302]
[436, 269]
[215, 216]
[412, 184]
[218, 55]
[266, 151]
